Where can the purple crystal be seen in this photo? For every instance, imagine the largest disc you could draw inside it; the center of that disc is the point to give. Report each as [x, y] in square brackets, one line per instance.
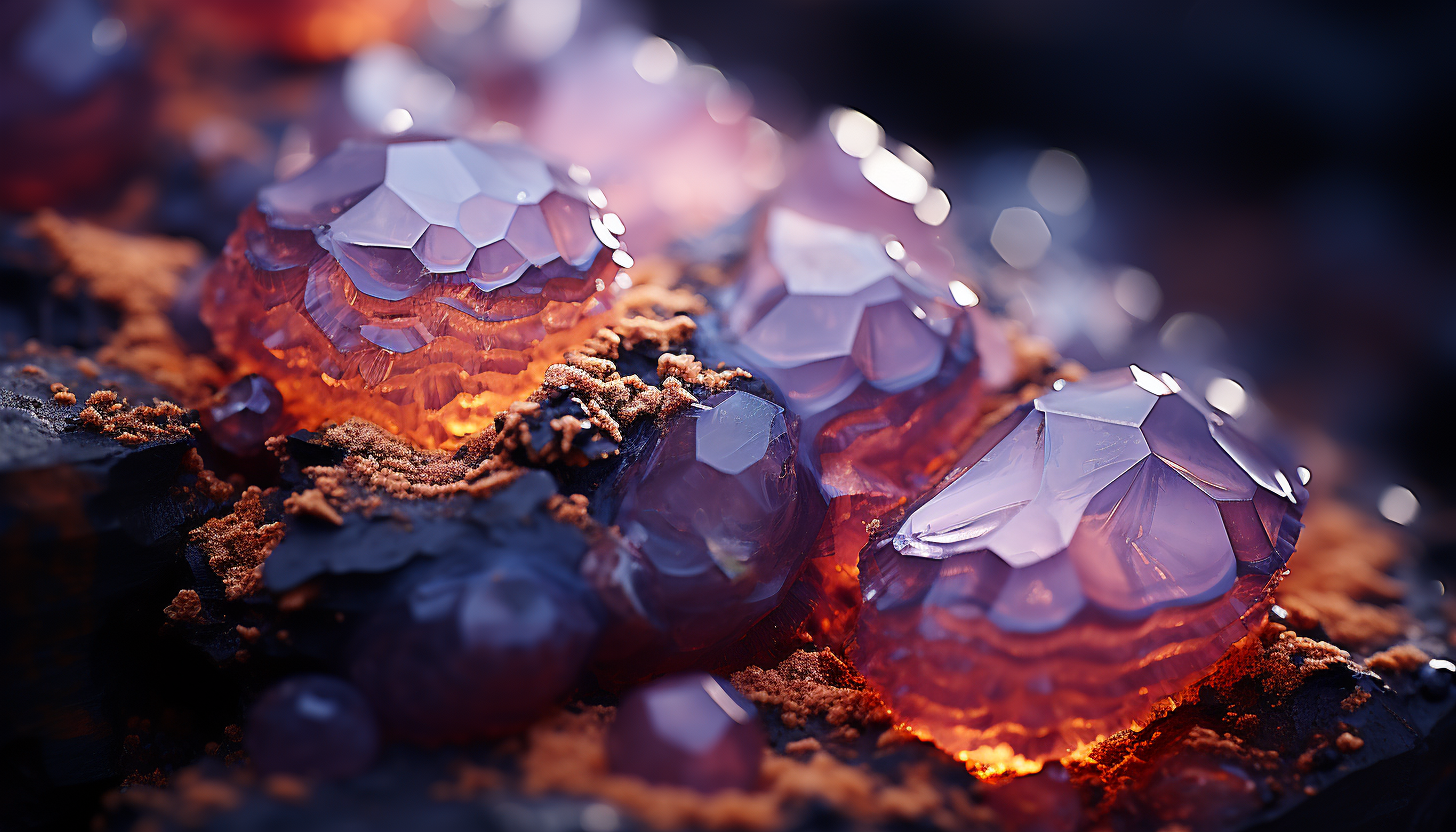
[312, 725]
[244, 414]
[715, 522]
[472, 651]
[1119, 491]
[429, 220]
[1098, 550]
[690, 729]
[824, 309]
[396, 281]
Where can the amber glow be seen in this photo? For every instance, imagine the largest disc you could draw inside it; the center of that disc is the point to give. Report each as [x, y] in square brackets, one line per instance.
[314, 398]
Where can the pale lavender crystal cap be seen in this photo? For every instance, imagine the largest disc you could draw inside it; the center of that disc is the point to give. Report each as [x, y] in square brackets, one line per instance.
[1122, 492]
[824, 308]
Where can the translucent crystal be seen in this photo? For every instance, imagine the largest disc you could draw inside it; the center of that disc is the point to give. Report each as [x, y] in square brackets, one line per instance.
[1097, 551]
[244, 414]
[880, 365]
[421, 284]
[715, 520]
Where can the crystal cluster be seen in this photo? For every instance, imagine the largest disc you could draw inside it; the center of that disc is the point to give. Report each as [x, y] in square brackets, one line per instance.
[420, 284]
[1095, 552]
[715, 521]
[692, 730]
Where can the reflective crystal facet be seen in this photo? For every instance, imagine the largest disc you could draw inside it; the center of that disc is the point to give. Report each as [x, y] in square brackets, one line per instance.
[420, 284]
[715, 522]
[312, 725]
[691, 729]
[1097, 551]
[244, 414]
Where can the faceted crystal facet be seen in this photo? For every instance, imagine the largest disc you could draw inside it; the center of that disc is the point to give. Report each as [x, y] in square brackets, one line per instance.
[690, 729]
[244, 415]
[715, 521]
[420, 284]
[474, 650]
[825, 309]
[1098, 550]
[312, 725]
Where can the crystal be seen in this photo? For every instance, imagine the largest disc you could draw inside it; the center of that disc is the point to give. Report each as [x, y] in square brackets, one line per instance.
[1097, 551]
[422, 284]
[312, 725]
[689, 729]
[824, 309]
[715, 520]
[474, 649]
[849, 173]
[880, 365]
[244, 414]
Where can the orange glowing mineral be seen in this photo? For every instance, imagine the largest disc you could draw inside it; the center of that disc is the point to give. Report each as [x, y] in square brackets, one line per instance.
[423, 285]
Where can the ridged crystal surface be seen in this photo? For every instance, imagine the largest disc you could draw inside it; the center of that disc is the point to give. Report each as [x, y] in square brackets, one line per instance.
[825, 309]
[421, 284]
[1100, 549]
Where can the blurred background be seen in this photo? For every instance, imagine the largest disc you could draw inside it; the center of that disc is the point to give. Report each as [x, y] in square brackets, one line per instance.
[1255, 196]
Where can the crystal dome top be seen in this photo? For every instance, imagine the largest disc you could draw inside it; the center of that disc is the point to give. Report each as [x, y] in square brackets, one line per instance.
[825, 308]
[1120, 491]
[420, 277]
[1098, 550]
